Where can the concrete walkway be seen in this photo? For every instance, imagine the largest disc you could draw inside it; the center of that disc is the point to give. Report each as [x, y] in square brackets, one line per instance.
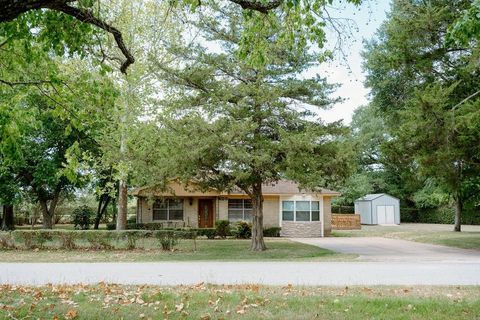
[266, 273]
[388, 250]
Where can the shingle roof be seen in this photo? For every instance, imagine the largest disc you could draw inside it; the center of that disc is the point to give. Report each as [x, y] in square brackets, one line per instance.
[282, 187]
[286, 187]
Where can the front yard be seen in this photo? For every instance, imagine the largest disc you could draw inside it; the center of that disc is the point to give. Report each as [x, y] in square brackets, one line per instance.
[441, 234]
[150, 251]
[109, 301]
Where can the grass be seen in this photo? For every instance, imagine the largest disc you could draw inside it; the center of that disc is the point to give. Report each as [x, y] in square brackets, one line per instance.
[441, 234]
[105, 301]
[220, 250]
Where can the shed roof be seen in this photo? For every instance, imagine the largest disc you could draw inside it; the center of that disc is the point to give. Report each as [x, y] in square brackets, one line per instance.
[373, 196]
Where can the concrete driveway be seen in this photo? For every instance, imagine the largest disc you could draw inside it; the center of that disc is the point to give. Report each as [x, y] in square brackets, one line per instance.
[384, 249]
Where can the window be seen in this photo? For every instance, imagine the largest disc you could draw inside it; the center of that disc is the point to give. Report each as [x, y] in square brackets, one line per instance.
[288, 210]
[300, 211]
[239, 209]
[168, 209]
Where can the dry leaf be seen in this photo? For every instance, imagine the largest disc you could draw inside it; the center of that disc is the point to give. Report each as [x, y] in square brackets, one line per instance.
[71, 314]
[179, 307]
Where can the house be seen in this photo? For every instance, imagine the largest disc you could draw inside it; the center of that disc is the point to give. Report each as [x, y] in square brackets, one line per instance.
[378, 208]
[300, 213]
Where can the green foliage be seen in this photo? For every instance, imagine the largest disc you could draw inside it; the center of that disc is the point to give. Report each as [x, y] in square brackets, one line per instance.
[99, 241]
[423, 88]
[210, 233]
[32, 239]
[67, 240]
[466, 28]
[6, 241]
[82, 217]
[168, 239]
[272, 232]
[242, 230]
[131, 237]
[222, 228]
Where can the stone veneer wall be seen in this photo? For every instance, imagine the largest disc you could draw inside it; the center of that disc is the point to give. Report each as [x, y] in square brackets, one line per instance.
[301, 229]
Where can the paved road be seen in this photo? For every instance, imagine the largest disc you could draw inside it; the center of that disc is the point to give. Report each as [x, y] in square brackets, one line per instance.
[388, 250]
[267, 273]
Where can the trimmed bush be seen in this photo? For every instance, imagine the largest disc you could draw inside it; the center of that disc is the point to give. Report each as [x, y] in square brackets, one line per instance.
[67, 239]
[32, 239]
[222, 228]
[242, 230]
[167, 238]
[96, 239]
[209, 233]
[272, 232]
[99, 240]
[131, 237]
[82, 217]
[6, 241]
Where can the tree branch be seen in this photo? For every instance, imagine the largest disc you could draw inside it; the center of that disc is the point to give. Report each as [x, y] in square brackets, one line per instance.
[87, 16]
[258, 5]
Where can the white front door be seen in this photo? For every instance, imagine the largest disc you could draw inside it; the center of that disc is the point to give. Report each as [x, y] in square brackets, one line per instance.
[385, 215]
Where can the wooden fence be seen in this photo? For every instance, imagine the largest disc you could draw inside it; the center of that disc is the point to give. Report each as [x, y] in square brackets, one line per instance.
[346, 221]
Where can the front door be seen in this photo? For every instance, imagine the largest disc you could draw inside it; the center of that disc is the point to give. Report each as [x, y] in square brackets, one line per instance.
[205, 213]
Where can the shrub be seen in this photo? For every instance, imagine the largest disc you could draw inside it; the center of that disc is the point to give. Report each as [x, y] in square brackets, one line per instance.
[99, 240]
[6, 241]
[167, 238]
[222, 228]
[67, 239]
[82, 217]
[242, 230]
[32, 238]
[272, 232]
[131, 237]
[210, 233]
[111, 226]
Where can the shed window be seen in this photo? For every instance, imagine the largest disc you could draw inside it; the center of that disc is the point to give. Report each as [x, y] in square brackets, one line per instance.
[168, 209]
[300, 210]
[239, 209]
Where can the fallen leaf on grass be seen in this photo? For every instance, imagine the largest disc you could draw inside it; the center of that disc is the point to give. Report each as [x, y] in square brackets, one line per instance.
[179, 307]
[71, 314]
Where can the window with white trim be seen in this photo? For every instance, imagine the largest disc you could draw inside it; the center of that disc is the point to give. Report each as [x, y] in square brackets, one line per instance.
[239, 209]
[300, 210]
[168, 209]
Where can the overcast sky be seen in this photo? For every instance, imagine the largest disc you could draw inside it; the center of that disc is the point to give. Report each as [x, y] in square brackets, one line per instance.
[347, 71]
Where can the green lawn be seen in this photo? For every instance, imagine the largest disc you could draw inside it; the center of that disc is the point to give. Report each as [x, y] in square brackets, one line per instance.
[222, 250]
[442, 234]
[106, 301]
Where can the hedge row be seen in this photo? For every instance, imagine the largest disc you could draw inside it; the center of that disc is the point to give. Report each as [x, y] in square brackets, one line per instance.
[223, 229]
[444, 215]
[98, 239]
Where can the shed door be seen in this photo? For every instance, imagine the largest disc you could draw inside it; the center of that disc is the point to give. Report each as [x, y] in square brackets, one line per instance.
[385, 215]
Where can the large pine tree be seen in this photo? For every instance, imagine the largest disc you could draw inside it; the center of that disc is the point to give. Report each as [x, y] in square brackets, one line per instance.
[228, 124]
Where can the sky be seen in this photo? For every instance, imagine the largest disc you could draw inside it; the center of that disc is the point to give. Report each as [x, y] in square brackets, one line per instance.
[347, 70]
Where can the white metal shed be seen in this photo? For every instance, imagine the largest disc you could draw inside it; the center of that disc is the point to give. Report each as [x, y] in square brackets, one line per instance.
[378, 208]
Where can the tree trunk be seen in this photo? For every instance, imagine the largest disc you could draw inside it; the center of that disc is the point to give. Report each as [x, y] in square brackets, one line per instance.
[47, 215]
[7, 218]
[122, 206]
[102, 207]
[458, 214]
[258, 244]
